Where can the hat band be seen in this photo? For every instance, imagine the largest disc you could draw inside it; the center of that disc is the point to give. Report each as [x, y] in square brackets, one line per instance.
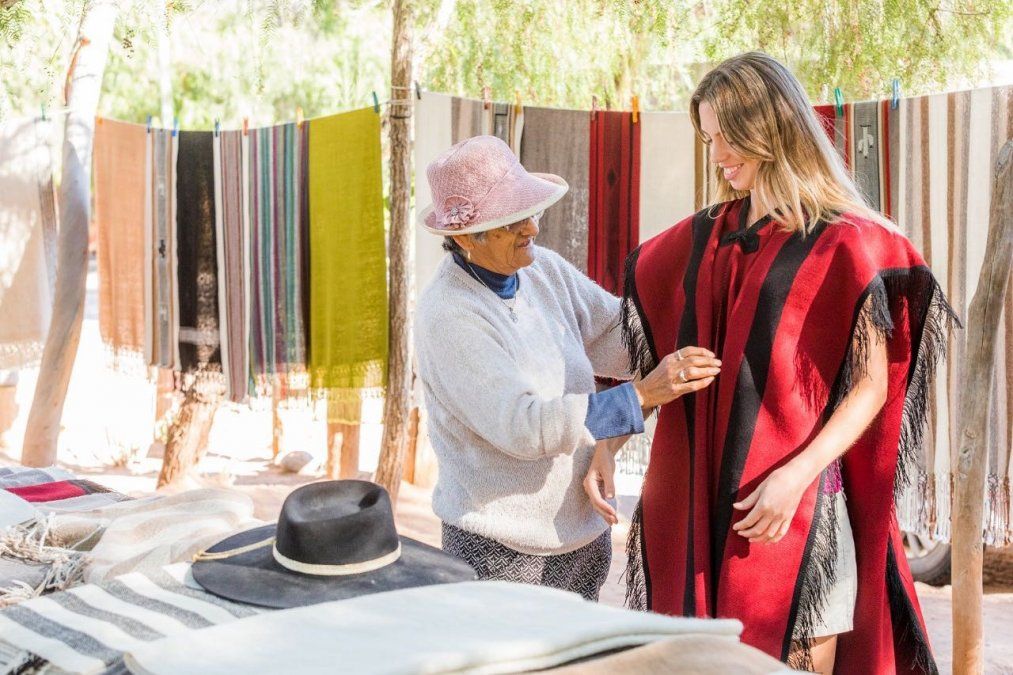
[337, 570]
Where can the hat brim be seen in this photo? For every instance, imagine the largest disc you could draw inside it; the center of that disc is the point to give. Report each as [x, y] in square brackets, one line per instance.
[256, 578]
[556, 189]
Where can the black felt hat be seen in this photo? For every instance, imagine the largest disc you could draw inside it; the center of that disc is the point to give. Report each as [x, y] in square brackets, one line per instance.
[333, 540]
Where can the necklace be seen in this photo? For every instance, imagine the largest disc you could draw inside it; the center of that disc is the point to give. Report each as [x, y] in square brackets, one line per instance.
[509, 305]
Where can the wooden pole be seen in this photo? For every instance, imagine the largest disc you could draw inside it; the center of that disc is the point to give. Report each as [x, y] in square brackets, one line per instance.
[969, 494]
[8, 401]
[84, 83]
[188, 436]
[395, 413]
[342, 450]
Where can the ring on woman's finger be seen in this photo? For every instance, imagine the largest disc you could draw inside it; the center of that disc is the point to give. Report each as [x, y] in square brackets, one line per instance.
[682, 376]
[678, 354]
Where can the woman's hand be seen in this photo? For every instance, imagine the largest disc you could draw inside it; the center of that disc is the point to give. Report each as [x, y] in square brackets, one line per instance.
[599, 483]
[686, 370]
[773, 505]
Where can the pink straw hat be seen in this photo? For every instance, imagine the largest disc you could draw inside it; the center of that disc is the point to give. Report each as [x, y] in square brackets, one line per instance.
[479, 185]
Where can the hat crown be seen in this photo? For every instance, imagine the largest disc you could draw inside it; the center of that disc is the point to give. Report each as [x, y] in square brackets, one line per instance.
[470, 170]
[337, 523]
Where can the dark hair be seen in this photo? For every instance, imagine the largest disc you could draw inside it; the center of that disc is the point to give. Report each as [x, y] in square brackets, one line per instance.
[450, 245]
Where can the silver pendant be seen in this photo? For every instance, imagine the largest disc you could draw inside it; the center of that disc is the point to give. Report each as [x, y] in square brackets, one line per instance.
[513, 315]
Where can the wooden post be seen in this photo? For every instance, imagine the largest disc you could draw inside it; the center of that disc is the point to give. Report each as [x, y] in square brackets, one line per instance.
[395, 413]
[8, 401]
[342, 450]
[277, 430]
[969, 494]
[84, 80]
[188, 436]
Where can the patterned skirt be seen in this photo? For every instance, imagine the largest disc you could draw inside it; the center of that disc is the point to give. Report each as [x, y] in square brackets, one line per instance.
[582, 571]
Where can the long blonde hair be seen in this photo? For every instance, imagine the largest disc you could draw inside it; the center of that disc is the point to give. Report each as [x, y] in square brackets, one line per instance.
[765, 115]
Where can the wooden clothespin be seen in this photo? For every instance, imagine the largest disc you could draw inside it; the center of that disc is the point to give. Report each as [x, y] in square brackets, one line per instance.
[43, 112]
[518, 108]
[636, 108]
[418, 91]
[838, 102]
[298, 117]
[895, 100]
[594, 107]
[149, 124]
[376, 104]
[218, 127]
[486, 98]
[246, 126]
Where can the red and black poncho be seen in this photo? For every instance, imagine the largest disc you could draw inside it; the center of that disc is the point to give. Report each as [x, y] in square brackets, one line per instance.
[780, 310]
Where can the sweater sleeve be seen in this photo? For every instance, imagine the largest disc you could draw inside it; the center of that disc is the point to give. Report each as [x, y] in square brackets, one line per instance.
[614, 412]
[473, 377]
[599, 316]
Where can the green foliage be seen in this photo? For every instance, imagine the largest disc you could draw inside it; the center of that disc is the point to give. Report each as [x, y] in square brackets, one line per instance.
[260, 59]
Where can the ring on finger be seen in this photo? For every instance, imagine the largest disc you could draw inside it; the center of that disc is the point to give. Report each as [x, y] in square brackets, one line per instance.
[678, 354]
[682, 376]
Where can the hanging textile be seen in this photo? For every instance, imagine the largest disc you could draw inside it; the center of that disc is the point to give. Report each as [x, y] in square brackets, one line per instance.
[949, 145]
[161, 321]
[505, 122]
[119, 161]
[433, 114]
[869, 150]
[231, 233]
[197, 258]
[467, 119]
[614, 179]
[558, 141]
[278, 242]
[28, 236]
[348, 277]
[667, 171]
[826, 114]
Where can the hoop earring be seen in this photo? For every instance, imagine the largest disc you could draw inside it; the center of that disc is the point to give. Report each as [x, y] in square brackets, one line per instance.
[467, 255]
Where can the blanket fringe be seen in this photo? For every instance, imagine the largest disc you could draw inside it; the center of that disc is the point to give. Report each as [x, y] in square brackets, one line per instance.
[820, 569]
[27, 543]
[635, 574]
[642, 357]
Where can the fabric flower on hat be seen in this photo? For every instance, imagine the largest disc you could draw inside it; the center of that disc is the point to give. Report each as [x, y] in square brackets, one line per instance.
[458, 212]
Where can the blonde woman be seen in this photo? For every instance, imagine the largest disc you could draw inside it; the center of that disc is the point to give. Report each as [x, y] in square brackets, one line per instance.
[769, 497]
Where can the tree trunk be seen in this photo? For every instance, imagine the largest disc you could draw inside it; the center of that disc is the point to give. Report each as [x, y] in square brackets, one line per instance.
[188, 437]
[395, 413]
[85, 81]
[969, 495]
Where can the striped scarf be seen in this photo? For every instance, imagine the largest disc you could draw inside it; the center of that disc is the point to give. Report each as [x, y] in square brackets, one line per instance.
[232, 234]
[278, 249]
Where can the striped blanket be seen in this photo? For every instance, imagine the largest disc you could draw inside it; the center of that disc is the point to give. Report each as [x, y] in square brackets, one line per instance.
[87, 629]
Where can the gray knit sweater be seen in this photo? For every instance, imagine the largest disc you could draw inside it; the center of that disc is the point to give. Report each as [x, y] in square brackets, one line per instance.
[506, 401]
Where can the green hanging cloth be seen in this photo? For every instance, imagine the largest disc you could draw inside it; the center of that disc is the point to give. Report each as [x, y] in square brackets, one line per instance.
[348, 272]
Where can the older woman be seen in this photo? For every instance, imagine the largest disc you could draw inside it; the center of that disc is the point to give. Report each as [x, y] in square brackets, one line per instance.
[509, 338]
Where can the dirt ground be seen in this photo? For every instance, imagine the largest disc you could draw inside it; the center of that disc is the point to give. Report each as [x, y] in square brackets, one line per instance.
[107, 432]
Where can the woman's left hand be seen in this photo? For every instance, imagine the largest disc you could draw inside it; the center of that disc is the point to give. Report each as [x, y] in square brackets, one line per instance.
[599, 483]
[773, 505]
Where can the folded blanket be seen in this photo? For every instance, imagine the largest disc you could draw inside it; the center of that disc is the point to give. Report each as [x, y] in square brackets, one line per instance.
[20, 476]
[475, 627]
[14, 510]
[87, 629]
[145, 536]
